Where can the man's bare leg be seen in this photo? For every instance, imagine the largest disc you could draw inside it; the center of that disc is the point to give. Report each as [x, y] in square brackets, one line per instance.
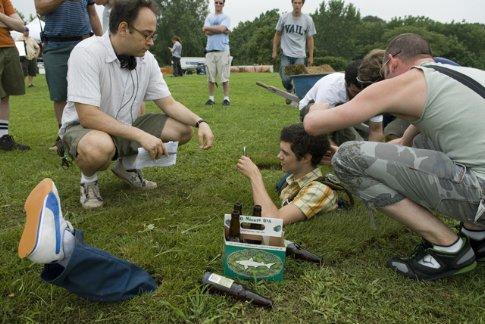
[421, 221]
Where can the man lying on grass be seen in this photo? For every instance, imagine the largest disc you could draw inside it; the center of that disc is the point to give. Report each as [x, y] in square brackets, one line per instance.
[444, 170]
[303, 196]
[109, 78]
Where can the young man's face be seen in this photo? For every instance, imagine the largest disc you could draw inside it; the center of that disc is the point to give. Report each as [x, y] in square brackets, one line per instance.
[219, 5]
[288, 160]
[297, 5]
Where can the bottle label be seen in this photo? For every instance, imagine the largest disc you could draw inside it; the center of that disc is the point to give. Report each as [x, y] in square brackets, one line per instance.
[220, 280]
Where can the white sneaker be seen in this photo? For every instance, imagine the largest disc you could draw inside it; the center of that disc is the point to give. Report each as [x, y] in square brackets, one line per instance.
[133, 177]
[42, 238]
[90, 196]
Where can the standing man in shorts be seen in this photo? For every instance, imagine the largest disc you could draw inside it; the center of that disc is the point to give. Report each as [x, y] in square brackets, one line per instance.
[218, 58]
[294, 31]
[66, 24]
[12, 80]
[29, 64]
[108, 79]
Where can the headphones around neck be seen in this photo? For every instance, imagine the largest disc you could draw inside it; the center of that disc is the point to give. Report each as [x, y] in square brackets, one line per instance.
[127, 62]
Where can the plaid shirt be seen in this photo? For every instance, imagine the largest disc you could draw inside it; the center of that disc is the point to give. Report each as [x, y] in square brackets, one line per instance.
[310, 196]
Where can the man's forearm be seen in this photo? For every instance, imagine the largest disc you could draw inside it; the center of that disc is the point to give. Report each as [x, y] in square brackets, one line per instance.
[311, 47]
[12, 22]
[220, 29]
[409, 134]
[376, 132]
[44, 7]
[177, 111]
[276, 43]
[261, 197]
[94, 21]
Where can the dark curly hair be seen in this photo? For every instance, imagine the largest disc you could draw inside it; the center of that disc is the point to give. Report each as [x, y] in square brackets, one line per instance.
[303, 143]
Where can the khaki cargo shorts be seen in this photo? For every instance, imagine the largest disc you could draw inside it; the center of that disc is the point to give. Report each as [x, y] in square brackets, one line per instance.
[218, 66]
[150, 123]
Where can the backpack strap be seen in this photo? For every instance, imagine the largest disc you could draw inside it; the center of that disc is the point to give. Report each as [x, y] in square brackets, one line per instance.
[460, 77]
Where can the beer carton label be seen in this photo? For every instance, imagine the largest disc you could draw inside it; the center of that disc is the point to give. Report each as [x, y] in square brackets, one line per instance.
[220, 280]
[271, 226]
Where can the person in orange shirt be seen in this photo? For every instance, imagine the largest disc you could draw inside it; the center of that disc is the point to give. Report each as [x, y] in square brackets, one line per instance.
[11, 75]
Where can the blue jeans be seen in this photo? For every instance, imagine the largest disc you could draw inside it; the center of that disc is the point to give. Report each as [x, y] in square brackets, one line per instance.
[97, 275]
[286, 61]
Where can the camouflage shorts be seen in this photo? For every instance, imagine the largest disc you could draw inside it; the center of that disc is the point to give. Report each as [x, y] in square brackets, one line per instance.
[383, 174]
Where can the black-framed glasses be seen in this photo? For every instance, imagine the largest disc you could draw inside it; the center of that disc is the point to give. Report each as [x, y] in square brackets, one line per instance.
[146, 35]
[384, 65]
[219, 3]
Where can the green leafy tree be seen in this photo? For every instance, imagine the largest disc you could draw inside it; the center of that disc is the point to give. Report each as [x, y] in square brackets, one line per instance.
[251, 42]
[185, 19]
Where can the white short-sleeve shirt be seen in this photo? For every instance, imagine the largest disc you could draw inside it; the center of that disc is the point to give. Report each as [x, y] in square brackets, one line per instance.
[95, 78]
[331, 89]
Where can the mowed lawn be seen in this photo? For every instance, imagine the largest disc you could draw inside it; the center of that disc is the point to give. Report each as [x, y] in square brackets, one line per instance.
[175, 231]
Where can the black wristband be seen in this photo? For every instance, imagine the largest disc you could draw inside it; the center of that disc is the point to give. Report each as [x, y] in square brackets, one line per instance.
[200, 121]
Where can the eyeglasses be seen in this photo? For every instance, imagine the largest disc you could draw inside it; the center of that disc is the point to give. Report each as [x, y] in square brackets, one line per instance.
[363, 84]
[147, 36]
[219, 3]
[384, 65]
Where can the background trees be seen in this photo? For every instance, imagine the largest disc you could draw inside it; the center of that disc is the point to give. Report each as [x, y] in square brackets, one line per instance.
[342, 34]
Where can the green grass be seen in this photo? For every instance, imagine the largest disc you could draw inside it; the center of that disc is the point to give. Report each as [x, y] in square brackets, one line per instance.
[186, 212]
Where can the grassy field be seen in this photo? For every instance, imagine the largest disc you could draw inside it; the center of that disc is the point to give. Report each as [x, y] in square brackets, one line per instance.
[175, 231]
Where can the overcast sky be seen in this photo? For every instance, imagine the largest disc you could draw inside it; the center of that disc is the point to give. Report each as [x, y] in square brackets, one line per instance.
[440, 10]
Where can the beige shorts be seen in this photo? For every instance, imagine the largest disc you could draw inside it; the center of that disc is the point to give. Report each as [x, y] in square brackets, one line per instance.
[218, 66]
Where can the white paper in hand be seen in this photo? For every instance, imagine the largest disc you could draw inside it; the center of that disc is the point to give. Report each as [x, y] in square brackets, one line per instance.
[143, 159]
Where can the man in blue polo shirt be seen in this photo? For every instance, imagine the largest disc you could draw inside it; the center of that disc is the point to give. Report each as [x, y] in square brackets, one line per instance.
[66, 24]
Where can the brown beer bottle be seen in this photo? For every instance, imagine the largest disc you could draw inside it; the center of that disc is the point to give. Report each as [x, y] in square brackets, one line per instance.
[220, 284]
[235, 226]
[255, 239]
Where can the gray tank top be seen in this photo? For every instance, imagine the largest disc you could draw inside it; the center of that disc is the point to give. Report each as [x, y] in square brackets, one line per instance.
[454, 117]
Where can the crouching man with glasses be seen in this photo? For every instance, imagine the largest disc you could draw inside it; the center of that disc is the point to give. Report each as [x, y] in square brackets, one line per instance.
[109, 78]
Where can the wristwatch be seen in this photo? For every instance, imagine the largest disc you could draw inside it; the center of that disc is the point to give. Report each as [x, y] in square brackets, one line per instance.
[200, 121]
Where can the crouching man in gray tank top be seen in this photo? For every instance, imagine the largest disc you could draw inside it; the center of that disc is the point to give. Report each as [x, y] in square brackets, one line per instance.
[438, 165]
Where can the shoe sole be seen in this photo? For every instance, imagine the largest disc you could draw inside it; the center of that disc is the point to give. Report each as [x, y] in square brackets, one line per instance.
[33, 210]
[132, 186]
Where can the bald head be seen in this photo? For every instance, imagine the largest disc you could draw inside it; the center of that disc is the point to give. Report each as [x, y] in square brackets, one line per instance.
[409, 47]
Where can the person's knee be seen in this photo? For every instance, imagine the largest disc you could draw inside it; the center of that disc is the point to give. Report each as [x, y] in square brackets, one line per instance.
[345, 157]
[96, 152]
[185, 134]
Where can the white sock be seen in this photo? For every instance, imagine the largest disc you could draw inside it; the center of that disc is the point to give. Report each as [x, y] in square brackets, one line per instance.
[212, 98]
[3, 127]
[474, 234]
[227, 98]
[453, 248]
[86, 179]
[68, 243]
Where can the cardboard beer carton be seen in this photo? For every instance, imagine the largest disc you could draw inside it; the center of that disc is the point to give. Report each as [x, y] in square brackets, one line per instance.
[264, 261]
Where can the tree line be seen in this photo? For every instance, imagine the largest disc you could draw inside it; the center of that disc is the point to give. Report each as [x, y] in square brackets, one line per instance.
[342, 34]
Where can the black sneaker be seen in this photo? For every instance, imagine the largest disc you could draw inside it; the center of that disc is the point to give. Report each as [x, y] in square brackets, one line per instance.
[210, 102]
[7, 143]
[428, 264]
[226, 102]
[478, 246]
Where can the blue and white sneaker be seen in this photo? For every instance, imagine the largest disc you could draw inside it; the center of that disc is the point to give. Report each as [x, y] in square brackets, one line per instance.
[41, 240]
